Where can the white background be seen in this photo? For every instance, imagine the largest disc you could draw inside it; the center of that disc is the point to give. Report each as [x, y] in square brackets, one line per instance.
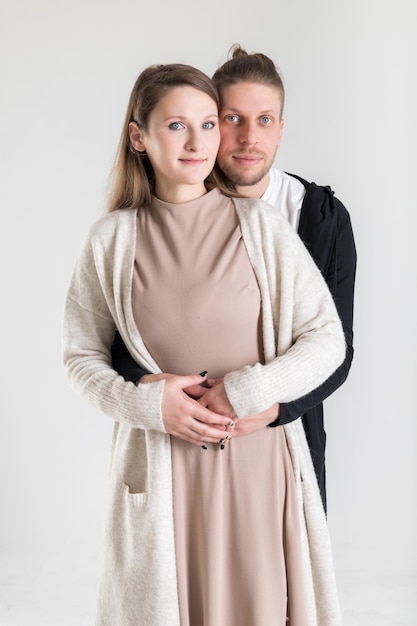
[67, 68]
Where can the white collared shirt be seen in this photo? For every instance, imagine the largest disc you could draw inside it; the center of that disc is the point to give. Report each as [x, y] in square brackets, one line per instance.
[285, 193]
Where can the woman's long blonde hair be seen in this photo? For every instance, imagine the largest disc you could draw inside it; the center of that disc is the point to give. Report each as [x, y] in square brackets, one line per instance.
[133, 179]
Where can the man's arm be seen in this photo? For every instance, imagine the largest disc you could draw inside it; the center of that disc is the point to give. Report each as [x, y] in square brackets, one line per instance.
[124, 363]
[340, 277]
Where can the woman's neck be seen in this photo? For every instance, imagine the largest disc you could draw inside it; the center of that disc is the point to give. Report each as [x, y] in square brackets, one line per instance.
[180, 193]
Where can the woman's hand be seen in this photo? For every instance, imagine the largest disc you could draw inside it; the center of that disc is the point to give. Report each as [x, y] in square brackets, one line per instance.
[183, 416]
[194, 391]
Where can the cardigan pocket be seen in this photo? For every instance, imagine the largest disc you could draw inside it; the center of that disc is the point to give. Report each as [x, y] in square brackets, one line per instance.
[137, 500]
[134, 476]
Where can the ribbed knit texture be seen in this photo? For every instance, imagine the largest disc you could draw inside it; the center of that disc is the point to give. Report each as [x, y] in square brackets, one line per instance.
[300, 323]
[138, 583]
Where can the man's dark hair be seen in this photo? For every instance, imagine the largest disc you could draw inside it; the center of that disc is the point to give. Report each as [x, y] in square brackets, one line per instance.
[244, 67]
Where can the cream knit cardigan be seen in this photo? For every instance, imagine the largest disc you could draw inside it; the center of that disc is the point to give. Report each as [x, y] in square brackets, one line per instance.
[303, 344]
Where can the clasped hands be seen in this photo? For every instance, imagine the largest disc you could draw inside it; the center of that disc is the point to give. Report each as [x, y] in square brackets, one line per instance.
[203, 415]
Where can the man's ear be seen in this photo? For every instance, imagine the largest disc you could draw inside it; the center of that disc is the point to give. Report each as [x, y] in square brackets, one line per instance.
[135, 136]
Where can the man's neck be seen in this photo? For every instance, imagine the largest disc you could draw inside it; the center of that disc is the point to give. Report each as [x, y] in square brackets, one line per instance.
[254, 191]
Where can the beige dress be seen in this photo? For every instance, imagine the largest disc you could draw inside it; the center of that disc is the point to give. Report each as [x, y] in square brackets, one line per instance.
[197, 305]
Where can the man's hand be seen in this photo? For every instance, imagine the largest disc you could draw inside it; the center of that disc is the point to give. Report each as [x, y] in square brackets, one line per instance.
[252, 423]
[216, 400]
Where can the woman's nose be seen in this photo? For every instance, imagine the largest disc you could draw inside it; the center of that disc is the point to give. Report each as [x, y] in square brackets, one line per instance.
[194, 142]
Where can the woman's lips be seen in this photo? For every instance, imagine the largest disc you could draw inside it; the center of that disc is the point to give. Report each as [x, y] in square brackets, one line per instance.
[193, 161]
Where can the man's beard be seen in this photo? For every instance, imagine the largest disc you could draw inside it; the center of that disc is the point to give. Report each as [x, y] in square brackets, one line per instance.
[246, 179]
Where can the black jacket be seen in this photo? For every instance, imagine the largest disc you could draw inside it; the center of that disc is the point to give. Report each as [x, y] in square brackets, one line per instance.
[326, 231]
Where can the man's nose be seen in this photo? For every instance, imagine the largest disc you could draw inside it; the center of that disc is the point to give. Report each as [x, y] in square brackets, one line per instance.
[248, 134]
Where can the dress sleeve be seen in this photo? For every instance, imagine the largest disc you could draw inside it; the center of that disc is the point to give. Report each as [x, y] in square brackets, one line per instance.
[341, 281]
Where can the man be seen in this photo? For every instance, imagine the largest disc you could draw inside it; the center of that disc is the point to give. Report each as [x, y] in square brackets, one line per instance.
[252, 99]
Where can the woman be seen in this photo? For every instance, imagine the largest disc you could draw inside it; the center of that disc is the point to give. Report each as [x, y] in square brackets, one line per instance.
[200, 533]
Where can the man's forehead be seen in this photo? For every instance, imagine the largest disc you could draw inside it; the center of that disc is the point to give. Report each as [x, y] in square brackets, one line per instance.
[247, 95]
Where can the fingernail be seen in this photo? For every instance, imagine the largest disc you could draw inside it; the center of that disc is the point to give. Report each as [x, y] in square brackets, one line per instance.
[204, 446]
[222, 446]
[231, 423]
[221, 440]
[203, 374]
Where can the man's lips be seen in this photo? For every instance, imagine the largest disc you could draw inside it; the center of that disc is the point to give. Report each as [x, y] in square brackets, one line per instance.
[247, 159]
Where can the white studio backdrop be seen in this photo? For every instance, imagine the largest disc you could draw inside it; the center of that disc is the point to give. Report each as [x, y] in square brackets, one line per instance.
[67, 69]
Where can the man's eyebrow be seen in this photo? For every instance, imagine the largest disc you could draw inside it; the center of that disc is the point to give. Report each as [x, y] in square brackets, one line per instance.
[235, 110]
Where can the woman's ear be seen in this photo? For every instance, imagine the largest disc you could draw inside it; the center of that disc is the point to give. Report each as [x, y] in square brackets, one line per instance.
[135, 136]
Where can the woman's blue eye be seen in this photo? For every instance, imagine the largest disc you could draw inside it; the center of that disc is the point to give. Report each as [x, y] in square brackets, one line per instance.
[208, 125]
[175, 125]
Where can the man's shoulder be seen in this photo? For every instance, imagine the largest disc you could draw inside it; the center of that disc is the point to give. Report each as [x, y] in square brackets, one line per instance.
[320, 198]
[280, 180]
[295, 179]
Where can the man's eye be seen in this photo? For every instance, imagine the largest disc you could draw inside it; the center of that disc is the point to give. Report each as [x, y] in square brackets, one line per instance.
[232, 118]
[175, 126]
[266, 119]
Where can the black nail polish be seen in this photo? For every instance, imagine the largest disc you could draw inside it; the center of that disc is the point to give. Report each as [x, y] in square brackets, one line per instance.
[221, 441]
[203, 374]
[222, 446]
[204, 446]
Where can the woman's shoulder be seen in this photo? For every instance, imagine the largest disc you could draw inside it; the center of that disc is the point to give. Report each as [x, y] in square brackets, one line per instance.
[255, 210]
[263, 227]
[110, 223]
[249, 204]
